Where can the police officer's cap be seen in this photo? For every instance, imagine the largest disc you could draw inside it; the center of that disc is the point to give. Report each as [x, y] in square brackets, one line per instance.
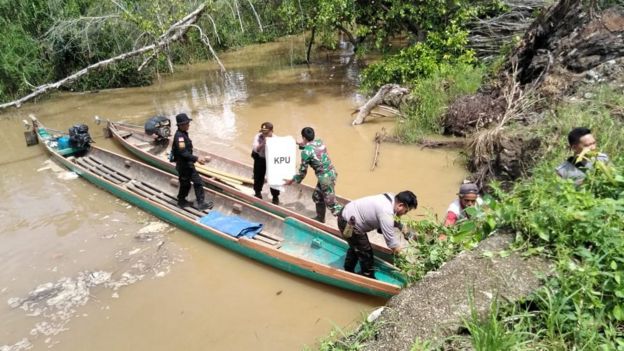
[266, 126]
[182, 118]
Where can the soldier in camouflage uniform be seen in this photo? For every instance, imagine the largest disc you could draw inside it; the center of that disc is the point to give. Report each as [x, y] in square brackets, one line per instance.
[314, 154]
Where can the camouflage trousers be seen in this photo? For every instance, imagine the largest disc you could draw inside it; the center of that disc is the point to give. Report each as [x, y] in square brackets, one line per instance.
[325, 193]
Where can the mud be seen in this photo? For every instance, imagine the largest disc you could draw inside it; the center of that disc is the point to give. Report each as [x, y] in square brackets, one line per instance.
[567, 46]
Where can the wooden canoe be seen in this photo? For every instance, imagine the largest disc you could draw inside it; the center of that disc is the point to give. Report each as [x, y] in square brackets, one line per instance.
[295, 202]
[284, 242]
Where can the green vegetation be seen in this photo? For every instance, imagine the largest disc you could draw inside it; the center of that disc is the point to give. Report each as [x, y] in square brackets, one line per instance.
[438, 68]
[339, 340]
[489, 333]
[44, 41]
[433, 94]
[580, 228]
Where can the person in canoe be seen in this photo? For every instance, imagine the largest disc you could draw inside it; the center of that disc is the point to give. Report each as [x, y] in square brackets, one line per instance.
[259, 166]
[314, 154]
[376, 212]
[182, 155]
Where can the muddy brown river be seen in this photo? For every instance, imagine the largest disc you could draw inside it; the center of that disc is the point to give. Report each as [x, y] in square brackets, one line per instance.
[83, 270]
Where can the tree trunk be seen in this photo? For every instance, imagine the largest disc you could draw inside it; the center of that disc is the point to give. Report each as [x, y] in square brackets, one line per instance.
[176, 32]
[567, 39]
[309, 50]
[386, 92]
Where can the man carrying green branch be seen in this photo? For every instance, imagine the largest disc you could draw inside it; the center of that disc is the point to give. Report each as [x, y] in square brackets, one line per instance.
[583, 145]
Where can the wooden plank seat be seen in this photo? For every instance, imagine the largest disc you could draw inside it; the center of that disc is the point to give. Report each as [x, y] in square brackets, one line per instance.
[104, 170]
[163, 199]
[143, 145]
[159, 196]
[170, 202]
[106, 175]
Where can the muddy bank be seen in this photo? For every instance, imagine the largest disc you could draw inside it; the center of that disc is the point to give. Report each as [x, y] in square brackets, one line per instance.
[434, 308]
[568, 46]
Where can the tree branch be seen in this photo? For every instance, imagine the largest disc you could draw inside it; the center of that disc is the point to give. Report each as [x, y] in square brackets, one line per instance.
[174, 33]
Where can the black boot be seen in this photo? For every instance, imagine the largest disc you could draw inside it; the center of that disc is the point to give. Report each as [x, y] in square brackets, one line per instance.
[204, 205]
[320, 213]
[258, 195]
[275, 200]
[184, 203]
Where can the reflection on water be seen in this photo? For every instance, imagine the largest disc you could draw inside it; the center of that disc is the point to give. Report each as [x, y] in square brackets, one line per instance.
[57, 230]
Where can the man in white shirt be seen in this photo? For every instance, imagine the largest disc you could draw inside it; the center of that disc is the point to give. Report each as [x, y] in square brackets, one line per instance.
[377, 212]
[259, 156]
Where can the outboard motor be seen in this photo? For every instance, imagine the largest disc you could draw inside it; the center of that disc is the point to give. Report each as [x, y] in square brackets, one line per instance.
[79, 136]
[160, 127]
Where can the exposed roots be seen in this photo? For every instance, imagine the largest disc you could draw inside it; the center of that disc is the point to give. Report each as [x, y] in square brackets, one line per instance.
[496, 152]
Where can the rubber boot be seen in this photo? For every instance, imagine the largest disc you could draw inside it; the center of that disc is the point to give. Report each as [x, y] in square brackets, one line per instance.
[184, 203]
[205, 205]
[320, 213]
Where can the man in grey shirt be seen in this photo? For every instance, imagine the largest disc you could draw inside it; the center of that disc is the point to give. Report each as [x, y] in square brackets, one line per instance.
[580, 139]
[376, 212]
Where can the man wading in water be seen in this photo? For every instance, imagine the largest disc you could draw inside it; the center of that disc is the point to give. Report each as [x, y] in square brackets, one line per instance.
[468, 196]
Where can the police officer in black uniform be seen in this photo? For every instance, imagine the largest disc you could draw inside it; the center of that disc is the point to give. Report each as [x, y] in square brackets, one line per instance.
[182, 151]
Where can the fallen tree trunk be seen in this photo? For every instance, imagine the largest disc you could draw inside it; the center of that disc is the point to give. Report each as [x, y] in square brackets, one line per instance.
[427, 143]
[174, 33]
[388, 92]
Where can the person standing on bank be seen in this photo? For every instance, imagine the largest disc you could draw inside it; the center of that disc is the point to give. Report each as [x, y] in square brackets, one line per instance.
[259, 167]
[314, 154]
[376, 212]
[580, 139]
[182, 155]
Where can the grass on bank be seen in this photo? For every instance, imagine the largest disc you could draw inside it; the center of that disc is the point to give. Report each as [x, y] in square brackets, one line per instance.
[433, 94]
[580, 228]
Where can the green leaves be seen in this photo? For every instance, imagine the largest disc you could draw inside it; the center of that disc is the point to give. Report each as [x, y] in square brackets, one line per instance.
[618, 312]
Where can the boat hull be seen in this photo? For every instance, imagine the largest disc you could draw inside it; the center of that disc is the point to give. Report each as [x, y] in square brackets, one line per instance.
[294, 256]
[297, 209]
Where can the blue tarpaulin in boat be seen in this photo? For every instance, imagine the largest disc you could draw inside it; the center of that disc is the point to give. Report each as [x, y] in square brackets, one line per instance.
[231, 225]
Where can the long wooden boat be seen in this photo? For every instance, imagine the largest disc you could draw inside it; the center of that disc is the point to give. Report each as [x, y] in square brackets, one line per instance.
[295, 202]
[284, 243]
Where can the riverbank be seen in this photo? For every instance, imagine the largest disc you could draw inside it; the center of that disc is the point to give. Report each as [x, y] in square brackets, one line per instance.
[518, 139]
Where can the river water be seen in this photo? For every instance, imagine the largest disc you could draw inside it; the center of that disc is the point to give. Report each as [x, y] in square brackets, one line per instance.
[80, 269]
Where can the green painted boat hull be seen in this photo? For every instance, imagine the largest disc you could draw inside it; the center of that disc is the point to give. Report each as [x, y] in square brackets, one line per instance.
[300, 240]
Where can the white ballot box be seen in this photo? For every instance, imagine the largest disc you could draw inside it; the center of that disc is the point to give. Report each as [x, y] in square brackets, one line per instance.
[281, 159]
